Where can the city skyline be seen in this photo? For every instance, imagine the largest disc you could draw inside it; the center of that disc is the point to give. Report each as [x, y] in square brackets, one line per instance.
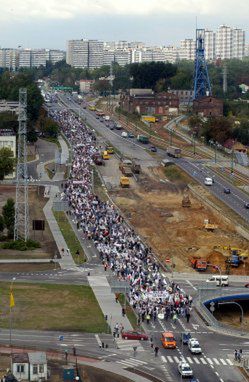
[32, 24]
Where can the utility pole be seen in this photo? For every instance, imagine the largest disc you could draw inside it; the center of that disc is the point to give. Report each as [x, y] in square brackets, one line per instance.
[21, 229]
[224, 78]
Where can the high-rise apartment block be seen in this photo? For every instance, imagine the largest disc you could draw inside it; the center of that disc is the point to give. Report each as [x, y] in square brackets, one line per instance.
[85, 53]
[14, 59]
[230, 43]
[210, 40]
[187, 49]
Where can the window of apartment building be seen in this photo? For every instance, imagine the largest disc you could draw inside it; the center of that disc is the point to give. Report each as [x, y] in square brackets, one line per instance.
[20, 368]
[41, 368]
[35, 369]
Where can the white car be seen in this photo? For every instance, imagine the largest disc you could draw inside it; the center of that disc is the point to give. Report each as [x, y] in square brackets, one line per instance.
[184, 369]
[208, 181]
[194, 346]
[124, 134]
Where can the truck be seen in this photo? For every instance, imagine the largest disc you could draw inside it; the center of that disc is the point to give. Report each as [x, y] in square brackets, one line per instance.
[136, 168]
[143, 139]
[235, 259]
[124, 182]
[174, 152]
[109, 149]
[198, 264]
[126, 170]
[149, 118]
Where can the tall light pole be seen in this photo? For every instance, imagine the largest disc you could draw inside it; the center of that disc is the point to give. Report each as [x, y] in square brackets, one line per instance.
[11, 305]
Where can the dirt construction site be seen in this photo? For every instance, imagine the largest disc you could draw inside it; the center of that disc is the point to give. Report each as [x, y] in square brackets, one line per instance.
[153, 205]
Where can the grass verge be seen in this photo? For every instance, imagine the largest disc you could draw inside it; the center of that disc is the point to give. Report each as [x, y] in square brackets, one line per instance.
[129, 311]
[70, 237]
[52, 307]
[28, 267]
[175, 174]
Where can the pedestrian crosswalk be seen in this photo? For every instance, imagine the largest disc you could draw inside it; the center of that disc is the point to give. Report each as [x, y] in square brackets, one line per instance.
[197, 360]
[128, 345]
[134, 362]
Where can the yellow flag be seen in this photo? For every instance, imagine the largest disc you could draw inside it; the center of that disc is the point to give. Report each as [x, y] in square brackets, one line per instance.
[12, 300]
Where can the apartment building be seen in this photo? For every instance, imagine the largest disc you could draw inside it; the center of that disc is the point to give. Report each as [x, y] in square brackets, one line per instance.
[95, 54]
[210, 41]
[56, 55]
[187, 49]
[77, 53]
[238, 47]
[224, 42]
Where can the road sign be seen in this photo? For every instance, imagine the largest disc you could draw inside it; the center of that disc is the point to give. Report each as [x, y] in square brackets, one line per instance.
[167, 260]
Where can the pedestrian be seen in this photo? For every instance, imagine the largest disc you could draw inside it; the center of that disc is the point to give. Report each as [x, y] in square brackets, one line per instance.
[123, 311]
[66, 354]
[188, 316]
[116, 297]
[74, 350]
[235, 355]
[148, 318]
[156, 351]
[174, 318]
[67, 251]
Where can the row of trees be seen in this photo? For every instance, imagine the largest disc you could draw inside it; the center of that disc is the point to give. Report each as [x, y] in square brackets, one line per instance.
[7, 219]
[219, 129]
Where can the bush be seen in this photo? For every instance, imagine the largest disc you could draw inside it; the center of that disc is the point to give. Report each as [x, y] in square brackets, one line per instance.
[21, 245]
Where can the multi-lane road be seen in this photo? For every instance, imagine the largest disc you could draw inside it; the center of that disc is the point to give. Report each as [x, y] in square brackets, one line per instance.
[195, 168]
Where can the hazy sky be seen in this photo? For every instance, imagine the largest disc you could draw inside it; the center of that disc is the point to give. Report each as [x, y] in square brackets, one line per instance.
[50, 23]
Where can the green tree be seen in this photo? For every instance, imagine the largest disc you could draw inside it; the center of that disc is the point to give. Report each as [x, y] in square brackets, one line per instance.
[2, 225]
[7, 162]
[50, 128]
[9, 216]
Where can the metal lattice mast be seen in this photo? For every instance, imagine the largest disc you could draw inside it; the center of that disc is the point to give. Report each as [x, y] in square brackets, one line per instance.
[202, 83]
[21, 230]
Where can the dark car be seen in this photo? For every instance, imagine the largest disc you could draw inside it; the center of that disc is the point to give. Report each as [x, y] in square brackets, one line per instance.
[246, 205]
[153, 149]
[133, 335]
[227, 190]
[185, 338]
[130, 135]
[247, 285]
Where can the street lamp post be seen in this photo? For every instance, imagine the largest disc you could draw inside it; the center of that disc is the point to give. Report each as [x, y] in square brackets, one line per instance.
[10, 313]
[235, 303]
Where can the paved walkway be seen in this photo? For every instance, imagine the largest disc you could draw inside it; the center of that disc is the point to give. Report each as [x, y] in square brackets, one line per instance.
[66, 260]
[106, 299]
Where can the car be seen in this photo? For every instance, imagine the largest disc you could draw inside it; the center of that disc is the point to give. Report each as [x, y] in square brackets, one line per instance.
[246, 205]
[124, 134]
[208, 181]
[130, 135]
[194, 346]
[185, 338]
[247, 285]
[168, 340]
[111, 127]
[184, 369]
[153, 149]
[227, 190]
[133, 335]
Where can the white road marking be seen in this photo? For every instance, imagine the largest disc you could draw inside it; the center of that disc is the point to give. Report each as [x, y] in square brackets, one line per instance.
[203, 361]
[189, 360]
[216, 361]
[98, 340]
[229, 362]
[170, 359]
[223, 362]
[189, 282]
[196, 360]
[176, 359]
[209, 361]
[163, 358]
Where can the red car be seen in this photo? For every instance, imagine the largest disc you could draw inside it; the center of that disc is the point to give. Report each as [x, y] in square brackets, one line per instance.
[133, 335]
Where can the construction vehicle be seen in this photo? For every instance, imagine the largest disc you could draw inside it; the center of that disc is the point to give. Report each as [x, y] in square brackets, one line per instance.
[143, 139]
[125, 169]
[186, 200]
[149, 118]
[210, 226]
[124, 182]
[109, 149]
[105, 155]
[174, 152]
[136, 168]
[236, 258]
[198, 264]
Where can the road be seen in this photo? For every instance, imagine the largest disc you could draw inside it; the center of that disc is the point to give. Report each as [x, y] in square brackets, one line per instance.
[214, 364]
[195, 168]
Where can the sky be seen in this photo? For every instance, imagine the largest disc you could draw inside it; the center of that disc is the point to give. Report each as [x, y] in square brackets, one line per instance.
[50, 23]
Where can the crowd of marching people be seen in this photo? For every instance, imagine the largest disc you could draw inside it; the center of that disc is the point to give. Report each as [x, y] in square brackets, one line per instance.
[120, 248]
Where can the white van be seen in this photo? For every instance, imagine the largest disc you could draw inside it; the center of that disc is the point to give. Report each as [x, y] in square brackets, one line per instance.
[106, 118]
[208, 181]
[218, 280]
[124, 134]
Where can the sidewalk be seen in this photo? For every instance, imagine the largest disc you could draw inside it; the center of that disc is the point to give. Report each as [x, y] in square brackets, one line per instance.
[106, 299]
[66, 260]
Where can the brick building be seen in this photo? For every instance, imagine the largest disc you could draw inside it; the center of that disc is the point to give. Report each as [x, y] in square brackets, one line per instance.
[148, 102]
[208, 106]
